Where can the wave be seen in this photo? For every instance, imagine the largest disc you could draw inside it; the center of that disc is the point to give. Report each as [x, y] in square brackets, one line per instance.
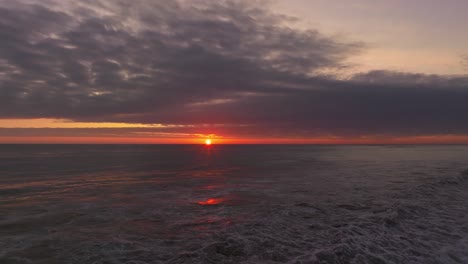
[427, 223]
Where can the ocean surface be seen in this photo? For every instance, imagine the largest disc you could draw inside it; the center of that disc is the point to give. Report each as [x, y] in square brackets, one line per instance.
[140, 204]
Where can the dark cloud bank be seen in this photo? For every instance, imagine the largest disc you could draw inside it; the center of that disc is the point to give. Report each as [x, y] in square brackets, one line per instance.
[206, 62]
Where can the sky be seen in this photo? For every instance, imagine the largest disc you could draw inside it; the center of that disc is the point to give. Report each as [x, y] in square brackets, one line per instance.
[235, 71]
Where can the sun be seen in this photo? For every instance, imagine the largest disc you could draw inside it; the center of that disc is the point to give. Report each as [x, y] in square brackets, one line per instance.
[208, 142]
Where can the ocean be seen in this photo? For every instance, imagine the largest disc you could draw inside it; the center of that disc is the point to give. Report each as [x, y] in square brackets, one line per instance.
[139, 204]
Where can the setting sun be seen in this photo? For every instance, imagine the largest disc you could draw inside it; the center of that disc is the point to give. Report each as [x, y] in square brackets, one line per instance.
[208, 142]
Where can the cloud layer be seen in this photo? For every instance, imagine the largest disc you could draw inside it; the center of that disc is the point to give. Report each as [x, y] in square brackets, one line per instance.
[233, 64]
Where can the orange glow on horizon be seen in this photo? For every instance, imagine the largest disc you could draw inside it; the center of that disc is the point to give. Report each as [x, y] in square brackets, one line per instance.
[66, 123]
[208, 142]
[370, 140]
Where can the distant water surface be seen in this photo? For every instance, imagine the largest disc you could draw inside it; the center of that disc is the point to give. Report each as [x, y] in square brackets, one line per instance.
[141, 204]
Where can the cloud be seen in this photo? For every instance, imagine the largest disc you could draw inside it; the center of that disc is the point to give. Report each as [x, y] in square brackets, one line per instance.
[464, 60]
[231, 63]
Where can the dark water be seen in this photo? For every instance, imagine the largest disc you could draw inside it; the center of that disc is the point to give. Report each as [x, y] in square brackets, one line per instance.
[233, 204]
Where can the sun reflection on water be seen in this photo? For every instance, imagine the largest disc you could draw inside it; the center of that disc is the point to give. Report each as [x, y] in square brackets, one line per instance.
[212, 201]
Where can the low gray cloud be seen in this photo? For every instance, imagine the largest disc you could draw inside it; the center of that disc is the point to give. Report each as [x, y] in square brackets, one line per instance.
[206, 62]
